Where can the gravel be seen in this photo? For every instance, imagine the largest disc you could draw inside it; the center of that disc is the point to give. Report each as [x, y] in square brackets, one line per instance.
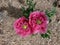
[7, 33]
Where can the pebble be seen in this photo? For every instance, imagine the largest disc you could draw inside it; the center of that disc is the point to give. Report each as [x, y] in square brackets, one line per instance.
[1, 31]
[1, 17]
[59, 22]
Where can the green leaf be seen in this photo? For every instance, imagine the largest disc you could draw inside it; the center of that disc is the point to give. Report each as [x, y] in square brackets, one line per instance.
[31, 6]
[45, 35]
[23, 9]
[29, 2]
[51, 13]
[49, 32]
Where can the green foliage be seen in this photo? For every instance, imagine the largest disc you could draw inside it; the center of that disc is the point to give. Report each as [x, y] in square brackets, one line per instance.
[50, 13]
[46, 35]
[49, 31]
[30, 8]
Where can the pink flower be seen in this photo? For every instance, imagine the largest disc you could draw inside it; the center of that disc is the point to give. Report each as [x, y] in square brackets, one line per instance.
[22, 27]
[38, 21]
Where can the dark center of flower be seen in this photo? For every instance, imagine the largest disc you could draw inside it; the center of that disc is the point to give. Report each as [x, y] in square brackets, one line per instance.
[38, 21]
[24, 26]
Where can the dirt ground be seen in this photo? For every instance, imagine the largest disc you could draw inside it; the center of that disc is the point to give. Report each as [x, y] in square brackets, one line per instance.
[10, 11]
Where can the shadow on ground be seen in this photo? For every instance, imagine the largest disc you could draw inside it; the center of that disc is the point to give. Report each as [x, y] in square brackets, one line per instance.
[12, 11]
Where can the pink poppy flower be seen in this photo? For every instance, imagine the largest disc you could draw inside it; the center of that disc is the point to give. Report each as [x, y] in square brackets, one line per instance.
[38, 21]
[22, 27]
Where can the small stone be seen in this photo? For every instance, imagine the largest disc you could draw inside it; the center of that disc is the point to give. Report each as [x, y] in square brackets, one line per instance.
[59, 22]
[1, 32]
[1, 21]
[1, 16]
[58, 3]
